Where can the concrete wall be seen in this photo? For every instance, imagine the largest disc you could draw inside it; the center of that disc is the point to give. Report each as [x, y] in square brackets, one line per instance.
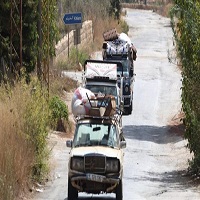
[86, 37]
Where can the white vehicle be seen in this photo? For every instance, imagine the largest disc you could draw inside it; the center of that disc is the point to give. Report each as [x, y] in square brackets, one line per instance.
[96, 157]
[100, 77]
[118, 48]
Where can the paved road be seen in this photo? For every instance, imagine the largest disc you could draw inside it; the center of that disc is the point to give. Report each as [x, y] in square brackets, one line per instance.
[155, 157]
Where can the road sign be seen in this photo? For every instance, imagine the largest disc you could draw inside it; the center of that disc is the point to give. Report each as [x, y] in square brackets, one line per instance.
[72, 18]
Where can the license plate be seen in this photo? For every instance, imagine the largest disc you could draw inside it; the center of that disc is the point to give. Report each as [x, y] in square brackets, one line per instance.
[94, 177]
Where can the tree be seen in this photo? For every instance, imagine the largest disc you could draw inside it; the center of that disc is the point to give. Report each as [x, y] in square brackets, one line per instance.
[9, 31]
[115, 8]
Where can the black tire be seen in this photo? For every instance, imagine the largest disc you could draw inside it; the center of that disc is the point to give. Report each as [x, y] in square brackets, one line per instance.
[119, 191]
[72, 192]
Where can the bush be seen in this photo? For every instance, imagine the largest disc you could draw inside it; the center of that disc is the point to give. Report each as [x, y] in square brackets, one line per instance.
[78, 55]
[58, 113]
[186, 23]
[36, 122]
[23, 132]
[16, 153]
[124, 26]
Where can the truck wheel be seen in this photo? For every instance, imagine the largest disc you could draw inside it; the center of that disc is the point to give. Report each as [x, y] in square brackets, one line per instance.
[119, 191]
[72, 192]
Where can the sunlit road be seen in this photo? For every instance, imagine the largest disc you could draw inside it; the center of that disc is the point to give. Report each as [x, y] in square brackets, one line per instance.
[155, 157]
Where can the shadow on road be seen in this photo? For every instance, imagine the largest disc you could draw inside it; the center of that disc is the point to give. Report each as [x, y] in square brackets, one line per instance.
[178, 180]
[159, 135]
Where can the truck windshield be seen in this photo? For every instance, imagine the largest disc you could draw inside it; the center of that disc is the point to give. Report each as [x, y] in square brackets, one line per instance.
[88, 134]
[102, 89]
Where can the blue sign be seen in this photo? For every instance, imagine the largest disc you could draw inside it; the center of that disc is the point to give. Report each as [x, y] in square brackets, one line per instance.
[72, 18]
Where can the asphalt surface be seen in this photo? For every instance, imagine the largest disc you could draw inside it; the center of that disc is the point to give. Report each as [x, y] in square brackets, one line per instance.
[156, 157]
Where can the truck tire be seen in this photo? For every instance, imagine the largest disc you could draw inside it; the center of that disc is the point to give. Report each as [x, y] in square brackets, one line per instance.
[72, 192]
[119, 191]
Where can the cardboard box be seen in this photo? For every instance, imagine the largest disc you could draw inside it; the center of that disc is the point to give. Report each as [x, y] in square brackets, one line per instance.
[111, 106]
[97, 111]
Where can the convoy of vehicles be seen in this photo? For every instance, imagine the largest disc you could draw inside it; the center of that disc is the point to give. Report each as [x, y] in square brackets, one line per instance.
[118, 48]
[96, 157]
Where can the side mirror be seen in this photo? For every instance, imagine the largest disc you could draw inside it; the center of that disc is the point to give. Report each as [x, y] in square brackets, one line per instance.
[104, 45]
[123, 144]
[69, 143]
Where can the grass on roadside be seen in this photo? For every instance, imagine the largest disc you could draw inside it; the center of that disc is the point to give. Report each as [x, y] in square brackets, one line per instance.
[23, 133]
[24, 116]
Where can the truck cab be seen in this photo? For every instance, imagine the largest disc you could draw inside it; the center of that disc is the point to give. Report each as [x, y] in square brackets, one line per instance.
[101, 78]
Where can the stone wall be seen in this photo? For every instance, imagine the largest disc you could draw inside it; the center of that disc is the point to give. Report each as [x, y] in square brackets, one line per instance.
[86, 37]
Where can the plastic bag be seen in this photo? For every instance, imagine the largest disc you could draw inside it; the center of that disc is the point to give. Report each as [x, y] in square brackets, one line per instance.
[80, 101]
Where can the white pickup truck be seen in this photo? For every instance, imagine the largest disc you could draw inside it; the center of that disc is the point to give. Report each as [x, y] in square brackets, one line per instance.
[96, 157]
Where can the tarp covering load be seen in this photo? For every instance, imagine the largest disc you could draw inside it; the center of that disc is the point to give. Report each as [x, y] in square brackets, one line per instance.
[95, 69]
[84, 102]
[116, 44]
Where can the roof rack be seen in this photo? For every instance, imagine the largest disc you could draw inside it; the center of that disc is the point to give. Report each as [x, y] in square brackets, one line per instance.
[115, 119]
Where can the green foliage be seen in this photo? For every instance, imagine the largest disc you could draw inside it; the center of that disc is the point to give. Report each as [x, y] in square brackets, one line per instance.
[186, 22]
[76, 56]
[58, 111]
[30, 19]
[79, 55]
[23, 136]
[29, 31]
[91, 10]
[115, 9]
[124, 26]
[36, 123]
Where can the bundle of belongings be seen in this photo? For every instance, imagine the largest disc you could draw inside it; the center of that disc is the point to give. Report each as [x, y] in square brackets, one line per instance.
[116, 41]
[84, 102]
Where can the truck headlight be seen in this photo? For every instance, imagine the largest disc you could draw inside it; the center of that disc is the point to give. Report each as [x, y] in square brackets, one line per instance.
[112, 165]
[77, 163]
[126, 88]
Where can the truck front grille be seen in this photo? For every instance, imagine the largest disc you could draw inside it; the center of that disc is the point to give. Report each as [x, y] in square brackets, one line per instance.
[95, 164]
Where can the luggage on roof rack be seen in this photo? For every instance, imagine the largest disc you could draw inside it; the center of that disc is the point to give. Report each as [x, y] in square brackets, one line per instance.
[116, 47]
[85, 103]
[110, 35]
[116, 44]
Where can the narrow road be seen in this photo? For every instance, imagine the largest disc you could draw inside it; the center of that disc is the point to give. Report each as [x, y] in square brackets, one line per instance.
[156, 156]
